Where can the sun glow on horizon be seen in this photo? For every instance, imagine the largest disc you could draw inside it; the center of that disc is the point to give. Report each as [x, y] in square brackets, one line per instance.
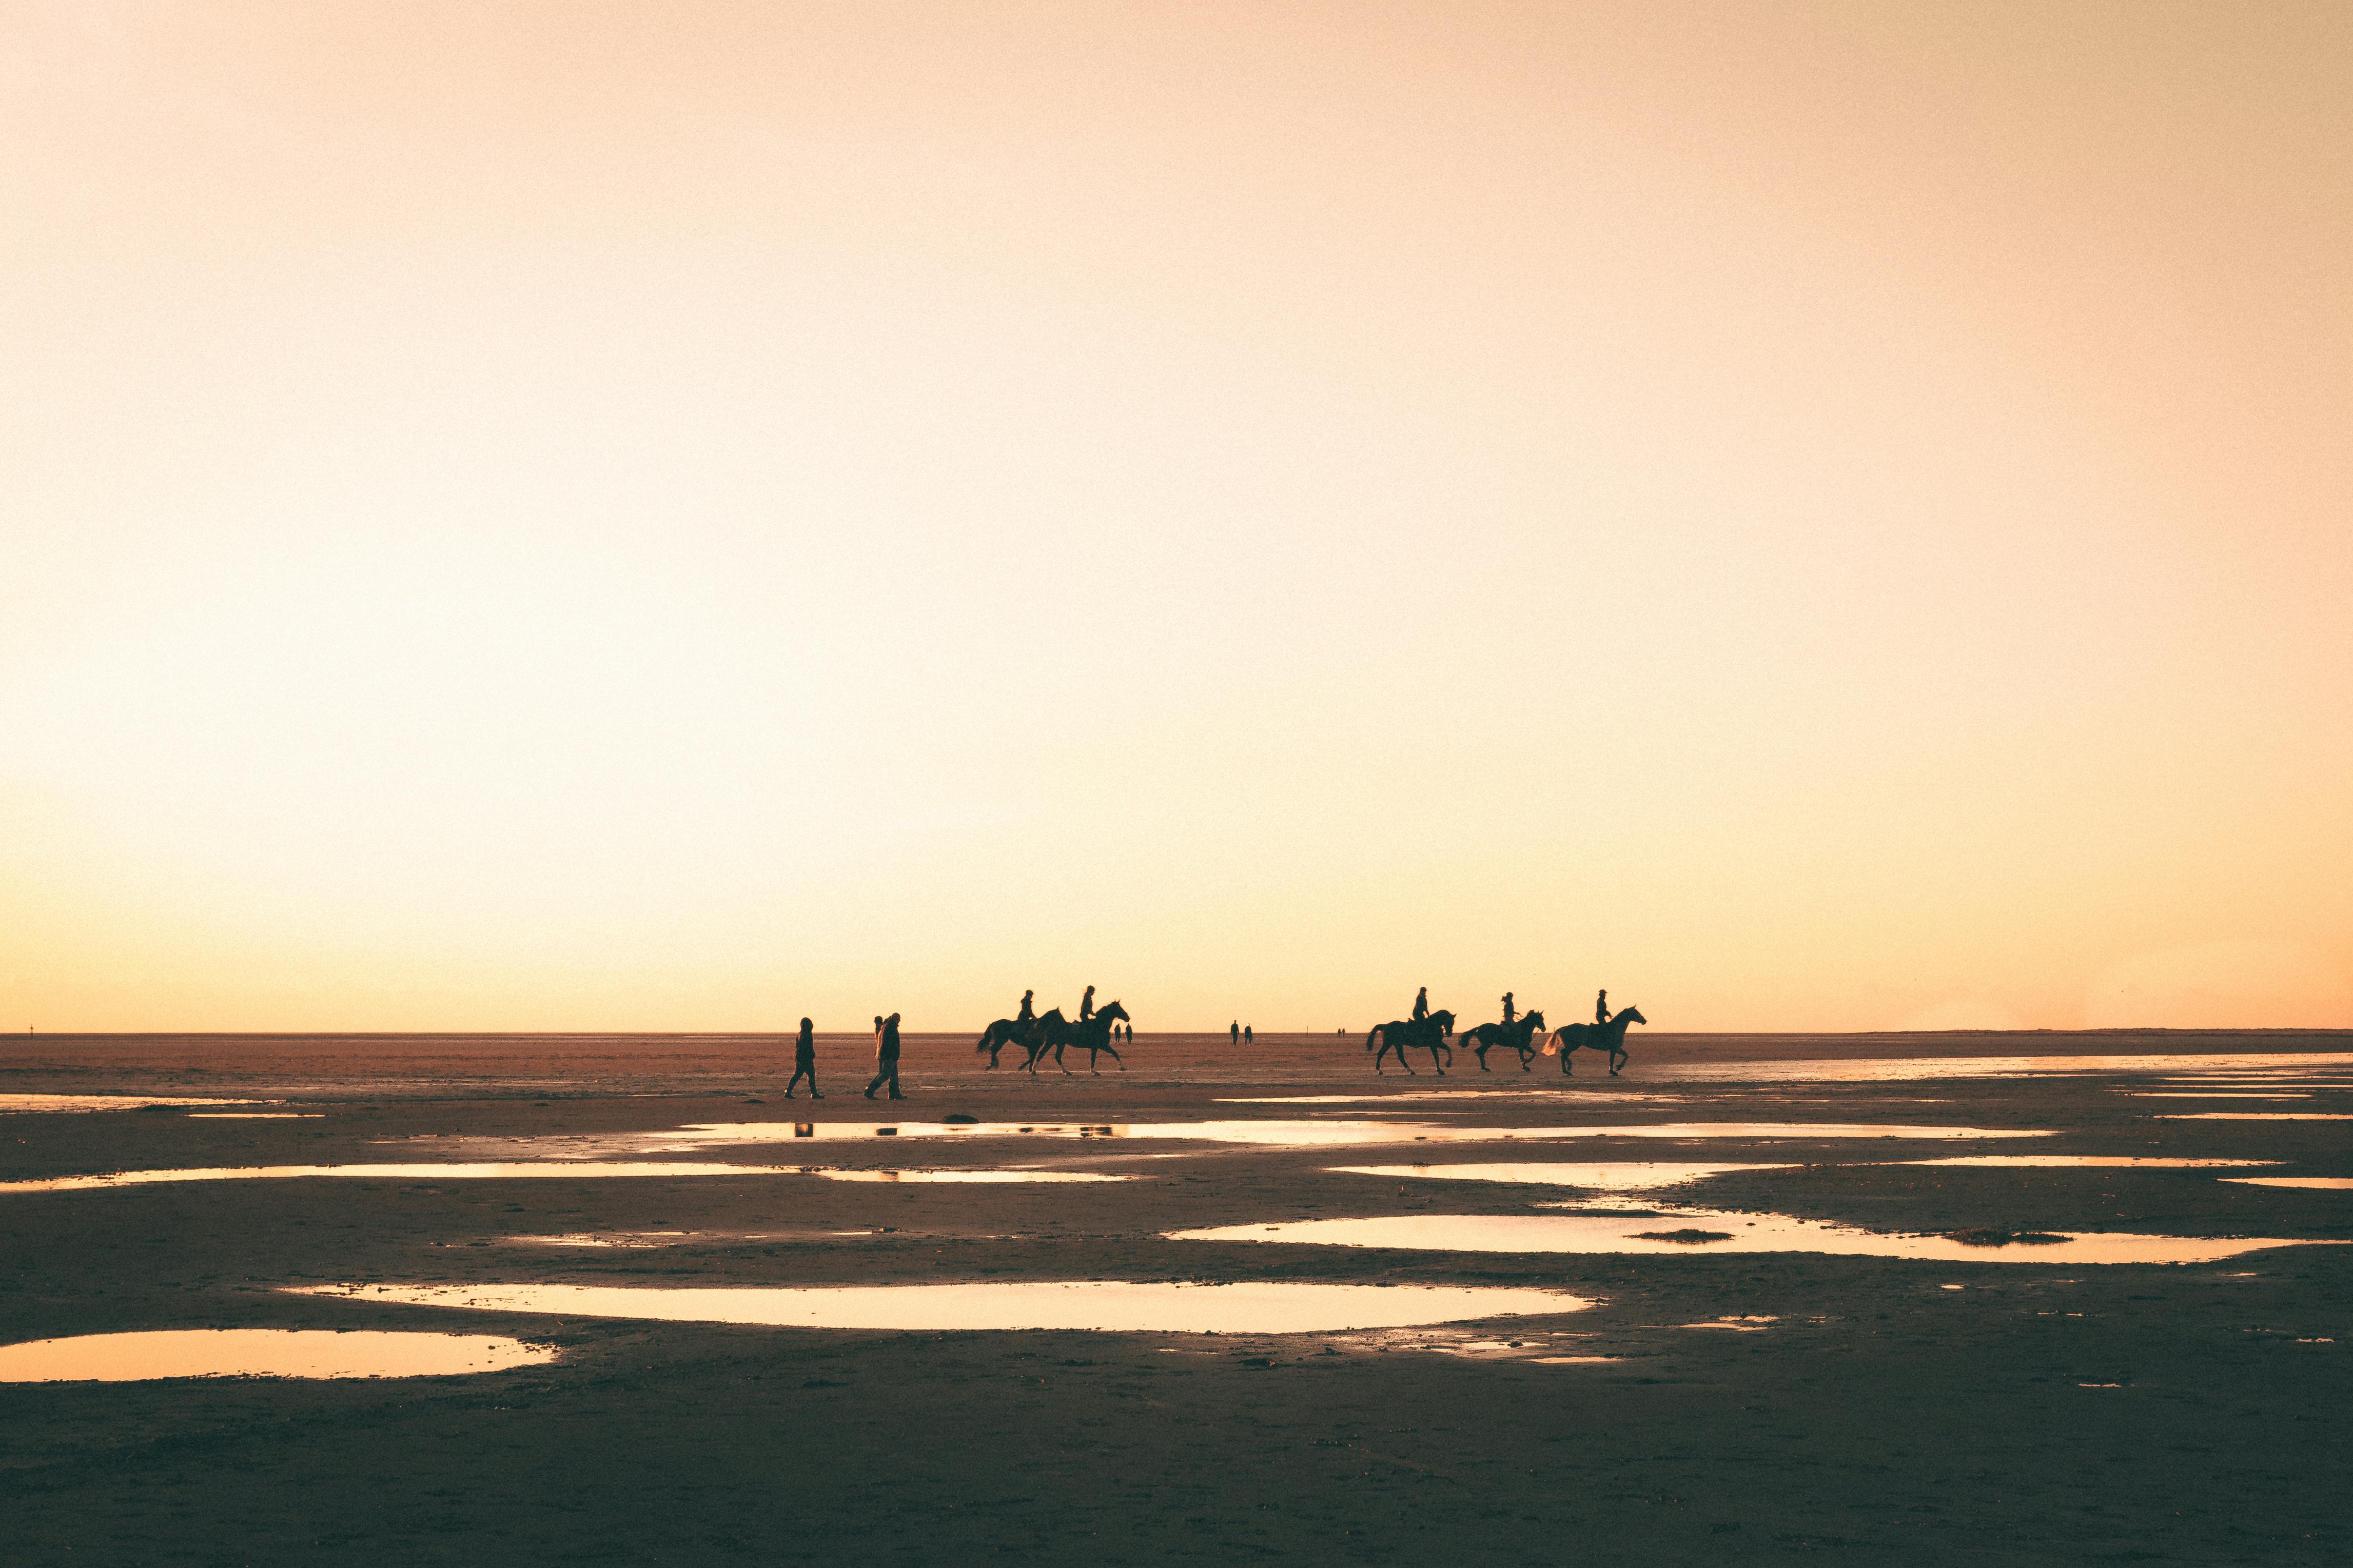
[1812, 517]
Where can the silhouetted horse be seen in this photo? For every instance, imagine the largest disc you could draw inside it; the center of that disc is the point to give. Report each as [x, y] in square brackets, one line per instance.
[1031, 1036]
[1609, 1036]
[1398, 1033]
[1516, 1035]
[1089, 1035]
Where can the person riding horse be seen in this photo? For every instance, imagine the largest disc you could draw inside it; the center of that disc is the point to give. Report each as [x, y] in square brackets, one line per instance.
[1421, 1004]
[1026, 1016]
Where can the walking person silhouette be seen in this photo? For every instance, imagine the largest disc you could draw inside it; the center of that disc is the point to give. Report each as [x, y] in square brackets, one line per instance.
[1249, 1038]
[804, 1062]
[886, 1056]
[1234, 1033]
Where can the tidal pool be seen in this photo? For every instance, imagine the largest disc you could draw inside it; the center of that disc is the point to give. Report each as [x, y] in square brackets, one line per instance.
[537, 1170]
[2257, 1116]
[1626, 1175]
[1684, 1232]
[10, 1103]
[2102, 1161]
[1116, 1306]
[262, 1353]
[2327, 1183]
[1305, 1134]
[1897, 1069]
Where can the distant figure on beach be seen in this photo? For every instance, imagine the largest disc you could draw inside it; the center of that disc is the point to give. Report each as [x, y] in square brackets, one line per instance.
[1026, 1016]
[804, 1062]
[1234, 1032]
[1249, 1038]
[1086, 1005]
[1420, 1005]
[1601, 1006]
[886, 1056]
[1508, 1015]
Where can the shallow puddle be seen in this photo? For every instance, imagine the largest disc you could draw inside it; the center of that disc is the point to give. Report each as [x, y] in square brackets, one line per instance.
[1626, 1175]
[2102, 1161]
[262, 1353]
[256, 1115]
[2257, 1116]
[988, 1177]
[2333, 1184]
[1116, 1306]
[1685, 1232]
[2206, 1094]
[1897, 1069]
[1305, 1134]
[10, 1103]
[534, 1170]
[1583, 1095]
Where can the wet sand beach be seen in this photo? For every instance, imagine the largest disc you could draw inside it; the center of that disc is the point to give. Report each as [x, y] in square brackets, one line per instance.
[1759, 1298]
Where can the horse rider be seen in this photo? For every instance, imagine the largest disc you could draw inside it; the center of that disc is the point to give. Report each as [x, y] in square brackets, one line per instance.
[1027, 1017]
[1421, 1004]
[1086, 1005]
[1508, 1013]
[1601, 1006]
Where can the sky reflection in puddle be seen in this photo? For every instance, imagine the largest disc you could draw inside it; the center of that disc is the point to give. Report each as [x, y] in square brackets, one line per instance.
[2102, 1161]
[1116, 1306]
[1581, 1233]
[2257, 1116]
[262, 1353]
[12, 1103]
[1897, 1069]
[1625, 1175]
[1303, 1135]
[2327, 1183]
[539, 1170]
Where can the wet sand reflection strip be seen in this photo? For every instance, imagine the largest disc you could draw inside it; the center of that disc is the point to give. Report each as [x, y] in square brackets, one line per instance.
[1684, 1232]
[1113, 1305]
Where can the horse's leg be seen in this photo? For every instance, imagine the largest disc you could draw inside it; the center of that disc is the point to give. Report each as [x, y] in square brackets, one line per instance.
[1482, 1059]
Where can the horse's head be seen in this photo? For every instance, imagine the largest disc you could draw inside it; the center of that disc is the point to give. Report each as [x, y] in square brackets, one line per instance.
[1535, 1016]
[1112, 1010]
[1629, 1015]
[1051, 1015]
[1445, 1022]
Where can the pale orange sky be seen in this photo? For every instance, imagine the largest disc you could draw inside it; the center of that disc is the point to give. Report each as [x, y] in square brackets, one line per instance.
[679, 516]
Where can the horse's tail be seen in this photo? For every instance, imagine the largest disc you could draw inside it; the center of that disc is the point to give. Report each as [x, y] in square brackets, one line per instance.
[1372, 1036]
[986, 1035]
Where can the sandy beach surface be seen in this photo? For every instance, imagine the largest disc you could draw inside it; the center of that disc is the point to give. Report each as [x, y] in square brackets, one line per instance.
[1676, 1369]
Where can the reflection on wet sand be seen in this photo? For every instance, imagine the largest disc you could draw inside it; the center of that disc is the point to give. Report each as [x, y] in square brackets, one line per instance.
[12, 1103]
[533, 1170]
[1306, 1134]
[2327, 1183]
[542, 1170]
[262, 1353]
[2257, 1116]
[1684, 1232]
[1624, 1175]
[1899, 1069]
[1097, 1304]
[2104, 1161]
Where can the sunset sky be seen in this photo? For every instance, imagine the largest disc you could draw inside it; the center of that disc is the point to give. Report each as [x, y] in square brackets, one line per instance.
[676, 516]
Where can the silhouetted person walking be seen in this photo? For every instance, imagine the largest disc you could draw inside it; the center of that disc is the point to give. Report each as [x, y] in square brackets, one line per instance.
[1507, 1007]
[1086, 1005]
[886, 1056]
[1234, 1032]
[804, 1062]
[1249, 1038]
[1026, 1016]
[1601, 1006]
[1421, 1004]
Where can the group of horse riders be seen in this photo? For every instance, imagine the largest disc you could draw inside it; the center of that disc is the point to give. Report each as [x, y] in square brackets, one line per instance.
[1038, 1032]
[1431, 1030]
[1421, 1006]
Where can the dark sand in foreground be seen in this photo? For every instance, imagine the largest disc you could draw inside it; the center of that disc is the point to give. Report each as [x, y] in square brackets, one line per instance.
[2195, 1413]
